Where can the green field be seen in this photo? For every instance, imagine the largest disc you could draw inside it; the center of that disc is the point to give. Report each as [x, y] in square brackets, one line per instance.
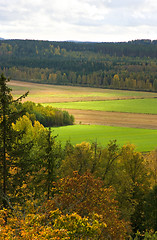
[147, 105]
[143, 139]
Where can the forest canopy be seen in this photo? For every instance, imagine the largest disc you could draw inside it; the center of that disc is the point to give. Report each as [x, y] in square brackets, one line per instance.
[73, 192]
[124, 65]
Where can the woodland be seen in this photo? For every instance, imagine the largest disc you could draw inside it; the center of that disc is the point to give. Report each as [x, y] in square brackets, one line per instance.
[126, 65]
[73, 192]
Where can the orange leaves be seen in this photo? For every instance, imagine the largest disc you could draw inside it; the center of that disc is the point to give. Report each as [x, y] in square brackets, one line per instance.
[85, 196]
[33, 226]
[3, 214]
[81, 208]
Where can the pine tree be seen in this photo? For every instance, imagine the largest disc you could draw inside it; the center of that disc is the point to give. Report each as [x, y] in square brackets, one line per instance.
[8, 115]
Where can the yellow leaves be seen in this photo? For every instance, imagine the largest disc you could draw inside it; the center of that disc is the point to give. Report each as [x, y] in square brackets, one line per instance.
[83, 145]
[3, 214]
[50, 223]
[151, 164]
[1, 119]
[8, 231]
[80, 158]
[78, 227]
[34, 226]
[129, 147]
[24, 186]
[13, 170]
[38, 126]
[22, 123]
[54, 214]
[85, 195]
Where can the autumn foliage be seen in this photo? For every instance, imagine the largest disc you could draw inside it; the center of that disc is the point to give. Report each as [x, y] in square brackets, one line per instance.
[74, 192]
[80, 209]
[86, 196]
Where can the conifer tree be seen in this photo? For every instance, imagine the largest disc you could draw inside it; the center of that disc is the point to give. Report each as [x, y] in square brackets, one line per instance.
[8, 115]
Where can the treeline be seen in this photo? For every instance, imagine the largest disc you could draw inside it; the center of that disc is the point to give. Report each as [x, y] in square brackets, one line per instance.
[50, 191]
[129, 65]
[47, 116]
[137, 48]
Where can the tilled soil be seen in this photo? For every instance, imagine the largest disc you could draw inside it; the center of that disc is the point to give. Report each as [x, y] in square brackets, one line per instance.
[48, 93]
[135, 120]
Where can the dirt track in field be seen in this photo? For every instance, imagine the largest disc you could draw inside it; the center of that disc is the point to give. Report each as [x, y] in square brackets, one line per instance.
[114, 119]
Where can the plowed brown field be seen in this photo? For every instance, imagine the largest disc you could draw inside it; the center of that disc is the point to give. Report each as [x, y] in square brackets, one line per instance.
[43, 93]
[114, 119]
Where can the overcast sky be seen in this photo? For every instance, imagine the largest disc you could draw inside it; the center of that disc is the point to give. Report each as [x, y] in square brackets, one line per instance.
[81, 20]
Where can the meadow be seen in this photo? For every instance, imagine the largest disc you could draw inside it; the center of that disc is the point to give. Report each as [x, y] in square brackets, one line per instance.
[127, 116]
[146, 106]
[44, 93]
[143, 139]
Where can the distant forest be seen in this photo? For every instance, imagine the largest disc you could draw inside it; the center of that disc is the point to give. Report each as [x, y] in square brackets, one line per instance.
[125, 65]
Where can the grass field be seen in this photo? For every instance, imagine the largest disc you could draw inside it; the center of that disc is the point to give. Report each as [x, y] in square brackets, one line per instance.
[105, 106]
[147, 105]
[54, 93]
[143, 139]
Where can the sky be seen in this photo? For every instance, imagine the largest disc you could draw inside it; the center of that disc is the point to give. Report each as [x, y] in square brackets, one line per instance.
[79, 20]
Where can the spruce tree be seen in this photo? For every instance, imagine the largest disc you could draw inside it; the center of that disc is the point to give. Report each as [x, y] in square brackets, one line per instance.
[8, 115]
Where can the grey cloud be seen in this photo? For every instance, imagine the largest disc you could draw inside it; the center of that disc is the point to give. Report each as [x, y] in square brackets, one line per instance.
[130, 18]
[15, 10]
[12, 16]
[85, 15]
